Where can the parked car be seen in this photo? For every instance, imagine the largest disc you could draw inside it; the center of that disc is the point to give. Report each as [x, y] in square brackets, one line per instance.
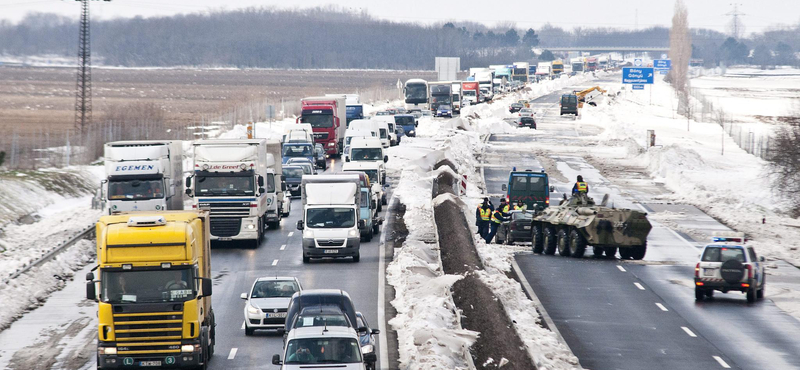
[517, 229]
[267, 302]
[383, 113]
[729, 264]
[444, 111]
[515, 107]
[528, 122]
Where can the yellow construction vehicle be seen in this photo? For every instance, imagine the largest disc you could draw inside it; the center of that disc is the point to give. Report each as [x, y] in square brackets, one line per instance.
[582, 95]
[571, 103]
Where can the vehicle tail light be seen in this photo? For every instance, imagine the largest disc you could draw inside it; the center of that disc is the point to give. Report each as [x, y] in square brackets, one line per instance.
[699, 283]
[749, 271]
[745, 285]
[194, 206]
[697, 270]
[547, 200]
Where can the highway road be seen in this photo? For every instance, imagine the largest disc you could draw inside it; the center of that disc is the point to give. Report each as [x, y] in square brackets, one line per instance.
[640, 315]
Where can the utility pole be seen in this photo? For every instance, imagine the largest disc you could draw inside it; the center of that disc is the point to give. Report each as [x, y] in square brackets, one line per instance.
[83, 90]
[735, 20]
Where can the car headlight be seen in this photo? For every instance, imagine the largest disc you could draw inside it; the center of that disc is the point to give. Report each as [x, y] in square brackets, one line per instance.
[367, 349]
[331, 144]
[253, 310]
[109, 350]
[411, 132]
[308, 234]
[353, 233]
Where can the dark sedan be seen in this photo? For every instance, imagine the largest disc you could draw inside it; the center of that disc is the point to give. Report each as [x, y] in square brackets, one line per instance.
[527, 122]
[514, 108]
[293, 176]
[517, 229]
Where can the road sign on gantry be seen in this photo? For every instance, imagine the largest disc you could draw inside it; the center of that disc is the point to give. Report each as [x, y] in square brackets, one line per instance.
[637, 62]
[662, 64]
[637, 75]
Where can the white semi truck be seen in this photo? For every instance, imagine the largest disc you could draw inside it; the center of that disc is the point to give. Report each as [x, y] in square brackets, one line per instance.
[330, 223]
[240, 182]
[142, 176]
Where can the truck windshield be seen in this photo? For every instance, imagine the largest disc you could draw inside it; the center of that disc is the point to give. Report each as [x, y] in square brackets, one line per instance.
[292, 172]
[416, 93]
[325, 350]
[469, 93]
[163, 285]
[330, 218]
[404, 121]
[225, 185]
[290, 150]
[372, 174]
[366, 154]
[135, 189]
[318, 120]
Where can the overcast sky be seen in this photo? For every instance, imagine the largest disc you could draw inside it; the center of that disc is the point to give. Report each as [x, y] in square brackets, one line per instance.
[759, 14]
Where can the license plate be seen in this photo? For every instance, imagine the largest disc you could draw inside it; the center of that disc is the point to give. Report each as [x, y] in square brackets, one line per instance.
[224, 239]
[149, 363]
[526, 228]
[708, 272]
[331, 251]
[276, 315]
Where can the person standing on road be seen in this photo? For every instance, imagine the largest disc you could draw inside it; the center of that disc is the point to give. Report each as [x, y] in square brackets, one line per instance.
[504, 207]
[580, 186]
[482, 216]
[498, 217]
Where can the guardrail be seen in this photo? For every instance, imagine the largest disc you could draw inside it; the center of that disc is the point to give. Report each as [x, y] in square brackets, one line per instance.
[52, 253]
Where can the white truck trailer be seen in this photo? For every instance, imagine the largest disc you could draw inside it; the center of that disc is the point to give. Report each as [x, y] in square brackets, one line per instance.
[240, 182]
[142, 176]
[330, 223]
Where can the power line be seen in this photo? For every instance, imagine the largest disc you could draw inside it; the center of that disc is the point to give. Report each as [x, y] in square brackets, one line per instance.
[735, 19]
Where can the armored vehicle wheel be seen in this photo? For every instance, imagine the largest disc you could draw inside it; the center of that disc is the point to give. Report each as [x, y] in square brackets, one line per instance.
[598, 251]
[536, 239]
[563, 243]
[577, 244]
[625, 253]
[549, 240]
[699, 294]
[638, 251]
[611, 252]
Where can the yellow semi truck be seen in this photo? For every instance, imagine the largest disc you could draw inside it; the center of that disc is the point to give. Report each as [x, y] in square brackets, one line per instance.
[153, 289]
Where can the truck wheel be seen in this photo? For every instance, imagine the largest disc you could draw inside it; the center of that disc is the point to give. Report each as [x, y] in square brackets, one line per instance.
[699, 294]
[536, 239]
[710, 293]
[563, 243]
[369, 235]
[611, 252]
[357, 257]
[760, 293]
[751, 295]
[625, 253]
[376, 228]
[383, 198]
[549, 241]
[577, 244]
[306, 259]
[638, 252]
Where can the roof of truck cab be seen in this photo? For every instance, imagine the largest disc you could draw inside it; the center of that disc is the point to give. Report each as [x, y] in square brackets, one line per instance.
[365, 142]
[361, 165]
[118, 233]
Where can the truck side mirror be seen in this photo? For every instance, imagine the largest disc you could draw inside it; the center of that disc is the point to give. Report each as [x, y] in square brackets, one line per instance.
[385, 158]
[188, 181]
[262, 190]
[552, 188]
[91, 294]
[376, 331]
[260, 181]
[206, 286]
[300, 225]
[347, 159]
[504, 187]
[283, 186]
[189, 192]
[89, 276]
[276, 360]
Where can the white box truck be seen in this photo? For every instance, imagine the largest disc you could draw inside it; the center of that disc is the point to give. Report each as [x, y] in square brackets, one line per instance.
[142, 176]
[455, 90]
[239, 181]
[330, 223]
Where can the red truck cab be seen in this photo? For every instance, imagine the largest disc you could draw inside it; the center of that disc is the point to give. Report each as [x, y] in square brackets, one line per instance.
[327, 117]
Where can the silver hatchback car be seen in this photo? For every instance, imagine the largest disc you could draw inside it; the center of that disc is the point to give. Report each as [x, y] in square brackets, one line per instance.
[267, 302]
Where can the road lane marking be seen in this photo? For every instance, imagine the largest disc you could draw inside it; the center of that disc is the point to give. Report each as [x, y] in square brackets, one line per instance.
[639, 286]
[621, 268]
[283, 247]
[275, 262]
[691, 334]
[722, 362]
[291, 233]
[233, 353]
[661, 306]
[242, 325]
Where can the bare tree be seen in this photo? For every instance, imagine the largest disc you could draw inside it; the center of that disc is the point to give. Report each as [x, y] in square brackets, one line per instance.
[680, 51]
[784, 163]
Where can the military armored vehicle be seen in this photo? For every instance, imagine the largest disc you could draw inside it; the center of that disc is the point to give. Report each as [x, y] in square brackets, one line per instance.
[578, 222]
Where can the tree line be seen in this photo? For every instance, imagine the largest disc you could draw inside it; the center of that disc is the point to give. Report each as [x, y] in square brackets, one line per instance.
[329, 37]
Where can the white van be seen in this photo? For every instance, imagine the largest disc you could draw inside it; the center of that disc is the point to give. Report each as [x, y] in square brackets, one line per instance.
[394, 139]
[383, 132]
[350, 134]
[369, 150]
[365, 125]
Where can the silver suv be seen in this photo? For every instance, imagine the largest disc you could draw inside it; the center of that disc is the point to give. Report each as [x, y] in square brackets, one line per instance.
[728, 264]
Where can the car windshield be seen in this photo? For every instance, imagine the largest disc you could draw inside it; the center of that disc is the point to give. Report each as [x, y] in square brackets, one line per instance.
[292, 172]
[323, 350]
[290, 150]
[366, 154]
[318, 120]
[330, 218]
[404, 121]
[135, 189]
[225, 185]
[531, 183]
[274, 289]
[321, 319]
[723, 254]
[150, 286]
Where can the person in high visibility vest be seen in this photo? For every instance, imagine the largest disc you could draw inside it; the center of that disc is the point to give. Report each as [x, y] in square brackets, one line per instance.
[482, 216]
[504, 207]
[520, 206]
[580, 186]
[498, 217]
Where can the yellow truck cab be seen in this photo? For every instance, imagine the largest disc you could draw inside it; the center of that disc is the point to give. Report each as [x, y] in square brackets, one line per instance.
[153, 289]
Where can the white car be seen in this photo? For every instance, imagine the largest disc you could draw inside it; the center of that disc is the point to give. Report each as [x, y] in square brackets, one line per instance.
[267, 302]
[728, 264]
[526, 112]
[323, 346]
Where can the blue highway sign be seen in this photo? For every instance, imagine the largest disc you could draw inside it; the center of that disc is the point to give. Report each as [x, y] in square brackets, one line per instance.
[637, 75]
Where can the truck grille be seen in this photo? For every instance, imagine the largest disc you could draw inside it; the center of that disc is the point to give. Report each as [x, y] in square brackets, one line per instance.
[225, 227]
[226, 209]
[148, 332]
[321, 136]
